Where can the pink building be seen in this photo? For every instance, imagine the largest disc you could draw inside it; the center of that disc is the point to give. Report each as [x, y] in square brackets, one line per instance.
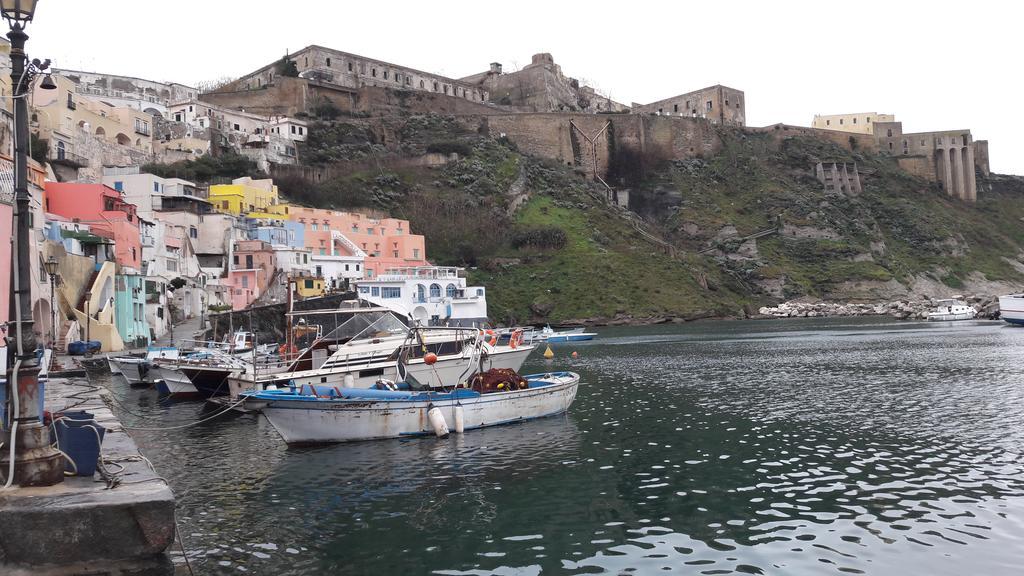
[106, 213]
[386, 241]
[252, 269]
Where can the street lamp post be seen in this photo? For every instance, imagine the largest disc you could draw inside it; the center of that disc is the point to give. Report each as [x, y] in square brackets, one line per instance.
[51, 266]
[88, 318]
[32, 461]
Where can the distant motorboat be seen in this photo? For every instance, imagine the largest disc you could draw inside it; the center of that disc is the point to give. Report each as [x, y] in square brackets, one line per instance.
[312, 414]
[136, 369]
[1011, 308]
[575, 335]
[949, 310]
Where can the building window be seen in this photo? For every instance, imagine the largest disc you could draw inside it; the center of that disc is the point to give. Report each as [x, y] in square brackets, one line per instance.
[435, 86]
[840, 121]
[890, 146]
[328, 62]
[357, 267]
[828, 122]
[675, 108]
[854, 120]
[374, 291]
[323, 252]
[869, 119]
[193, 232]
[421, 84]
[309, 283]
[390, 292]
[416, 253]
[119, 186]
[373, 72]
[156, 187]
[369, 231]
[394, 254]
[435, 290]
[450, 291]
[887, 132]
[346, 267]
[315, 229]
[245, 281]
[237, 127]
[349, 66]
[709, 104]
[385, 74]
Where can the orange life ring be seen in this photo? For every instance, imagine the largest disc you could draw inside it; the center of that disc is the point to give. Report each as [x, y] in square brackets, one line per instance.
[516, 339]
[494, 338]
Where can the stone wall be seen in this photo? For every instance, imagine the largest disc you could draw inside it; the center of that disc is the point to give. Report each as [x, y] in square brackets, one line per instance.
[719, 104]
[852, 142]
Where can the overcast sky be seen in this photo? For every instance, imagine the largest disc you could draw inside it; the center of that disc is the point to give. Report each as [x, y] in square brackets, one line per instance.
[936, 65]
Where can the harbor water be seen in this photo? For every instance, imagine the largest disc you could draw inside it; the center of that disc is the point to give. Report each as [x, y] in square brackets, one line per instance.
[847, 446]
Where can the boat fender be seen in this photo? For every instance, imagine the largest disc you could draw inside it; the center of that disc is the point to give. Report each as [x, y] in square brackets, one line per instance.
[349, 381]
[460, 419]
[437, 422]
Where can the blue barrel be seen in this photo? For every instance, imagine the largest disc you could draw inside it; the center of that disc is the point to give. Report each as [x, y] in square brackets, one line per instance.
[77, 437]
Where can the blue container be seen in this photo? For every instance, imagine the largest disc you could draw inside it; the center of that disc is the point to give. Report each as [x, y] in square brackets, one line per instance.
[80, 347]
[77, 436]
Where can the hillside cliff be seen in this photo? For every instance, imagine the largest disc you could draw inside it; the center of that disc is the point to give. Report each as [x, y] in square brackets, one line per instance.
[713, 236]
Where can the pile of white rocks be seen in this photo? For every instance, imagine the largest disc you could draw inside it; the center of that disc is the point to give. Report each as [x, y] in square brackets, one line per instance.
[987, 307]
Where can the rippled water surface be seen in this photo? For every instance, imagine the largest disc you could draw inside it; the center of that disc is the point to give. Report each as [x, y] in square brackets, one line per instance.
[789, 447]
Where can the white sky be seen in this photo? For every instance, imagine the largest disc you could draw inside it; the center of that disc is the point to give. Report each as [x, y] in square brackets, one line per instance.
[936, 65]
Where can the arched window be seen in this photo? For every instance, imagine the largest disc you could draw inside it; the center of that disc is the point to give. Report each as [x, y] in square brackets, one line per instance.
[450, 291]
[421, 293]
[61, 152]
[435, 290]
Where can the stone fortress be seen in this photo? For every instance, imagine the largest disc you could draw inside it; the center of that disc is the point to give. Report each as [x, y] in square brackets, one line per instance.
[543, 110]
[949, 157]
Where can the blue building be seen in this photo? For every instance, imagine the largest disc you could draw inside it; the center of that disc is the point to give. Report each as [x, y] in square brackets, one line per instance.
[130, 310]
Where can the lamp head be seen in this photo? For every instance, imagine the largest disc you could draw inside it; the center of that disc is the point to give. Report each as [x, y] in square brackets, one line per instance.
[18, 12]
[47, 83]
[51, 265]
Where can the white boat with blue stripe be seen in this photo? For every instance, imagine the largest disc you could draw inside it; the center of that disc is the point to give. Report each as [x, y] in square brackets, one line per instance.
[311, 414]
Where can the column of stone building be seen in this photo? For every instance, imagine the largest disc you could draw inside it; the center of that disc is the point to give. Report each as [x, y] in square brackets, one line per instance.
[946, 174]
[856, 180]
[958, 172]
[971, 180]
[846, 180]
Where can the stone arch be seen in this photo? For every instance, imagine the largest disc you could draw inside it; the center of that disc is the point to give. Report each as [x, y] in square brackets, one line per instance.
[100, 131]
[153, 112]
[123, 139]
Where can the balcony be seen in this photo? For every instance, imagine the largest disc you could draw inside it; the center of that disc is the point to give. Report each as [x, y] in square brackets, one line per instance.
[148, 241]
[144, 130]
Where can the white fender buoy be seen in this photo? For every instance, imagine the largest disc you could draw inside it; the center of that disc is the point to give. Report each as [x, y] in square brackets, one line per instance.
[437, 422]
[460, 420]
[348, 381]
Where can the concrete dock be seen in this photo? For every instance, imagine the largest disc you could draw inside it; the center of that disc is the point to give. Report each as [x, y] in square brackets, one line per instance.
[82, 526]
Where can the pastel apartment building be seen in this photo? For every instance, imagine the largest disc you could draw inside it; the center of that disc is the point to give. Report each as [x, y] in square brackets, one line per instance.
[107, 214]
[245, 196]
[385, 242]
[251, 270]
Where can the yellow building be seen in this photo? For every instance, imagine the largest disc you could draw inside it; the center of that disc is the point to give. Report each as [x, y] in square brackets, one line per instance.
[859, 123]
[309, 286]
[245, 196]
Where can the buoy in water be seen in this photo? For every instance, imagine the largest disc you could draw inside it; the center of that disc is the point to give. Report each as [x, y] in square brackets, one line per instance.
[429, 358]
[548, 353]
[460, 420]
[437, 423]
[575, 354]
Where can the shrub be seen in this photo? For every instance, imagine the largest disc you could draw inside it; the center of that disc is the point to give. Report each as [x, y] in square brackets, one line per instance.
[544, 237]
[449, 147]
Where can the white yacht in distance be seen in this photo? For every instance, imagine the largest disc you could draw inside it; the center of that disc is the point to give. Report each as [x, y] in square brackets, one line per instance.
[946, 310]
[429, 295]
[1011, 308]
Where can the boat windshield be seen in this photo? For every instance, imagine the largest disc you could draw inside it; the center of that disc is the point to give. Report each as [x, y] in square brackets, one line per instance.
[365, 326]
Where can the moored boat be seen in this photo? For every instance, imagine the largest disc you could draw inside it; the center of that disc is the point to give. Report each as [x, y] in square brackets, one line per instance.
[171, 382]
[321, 414]
[1011, 308]
[574, 335]
[949, 310]
[136, 370]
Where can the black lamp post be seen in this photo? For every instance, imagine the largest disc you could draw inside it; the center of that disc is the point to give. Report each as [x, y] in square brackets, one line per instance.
[51, 266]
[35, 462]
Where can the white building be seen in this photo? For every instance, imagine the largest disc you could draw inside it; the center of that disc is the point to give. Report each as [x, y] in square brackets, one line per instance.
[434, 295]
[290, 128]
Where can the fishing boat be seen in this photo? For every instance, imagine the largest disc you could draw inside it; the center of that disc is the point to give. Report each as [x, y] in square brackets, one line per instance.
[1011, 308]
[322, 414]
[948, 310]
[136, 369]
[376, 346]
[574, 335]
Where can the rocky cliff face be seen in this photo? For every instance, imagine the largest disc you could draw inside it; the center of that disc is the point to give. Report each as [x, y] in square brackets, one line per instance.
[721, 235]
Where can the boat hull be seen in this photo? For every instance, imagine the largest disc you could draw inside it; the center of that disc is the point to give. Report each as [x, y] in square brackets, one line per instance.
[569, 338]
[209, 381]
[171, 382]
[137, 371]
[950, 317]
[1011, 309]
[326, 421]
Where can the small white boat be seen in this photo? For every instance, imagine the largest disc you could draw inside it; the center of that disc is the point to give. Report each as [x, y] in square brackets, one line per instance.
[949, 310]
[320, 414]
[136, 370]
[1011, 308]
[112, 363]
[574, 335]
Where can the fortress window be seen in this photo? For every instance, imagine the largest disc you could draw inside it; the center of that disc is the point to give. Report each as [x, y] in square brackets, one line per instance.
[675, 108]
[349, 66]
[869, 119]
[922, 142]
[727, 102]
[888, 133]
[435, 86]
[385, 74]
[328, 62]
[373, 72]
[421, 84]
[854, 120]
[659, 111]
[890, 146]
[841, 123]
[709, 105]
[828, 122]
